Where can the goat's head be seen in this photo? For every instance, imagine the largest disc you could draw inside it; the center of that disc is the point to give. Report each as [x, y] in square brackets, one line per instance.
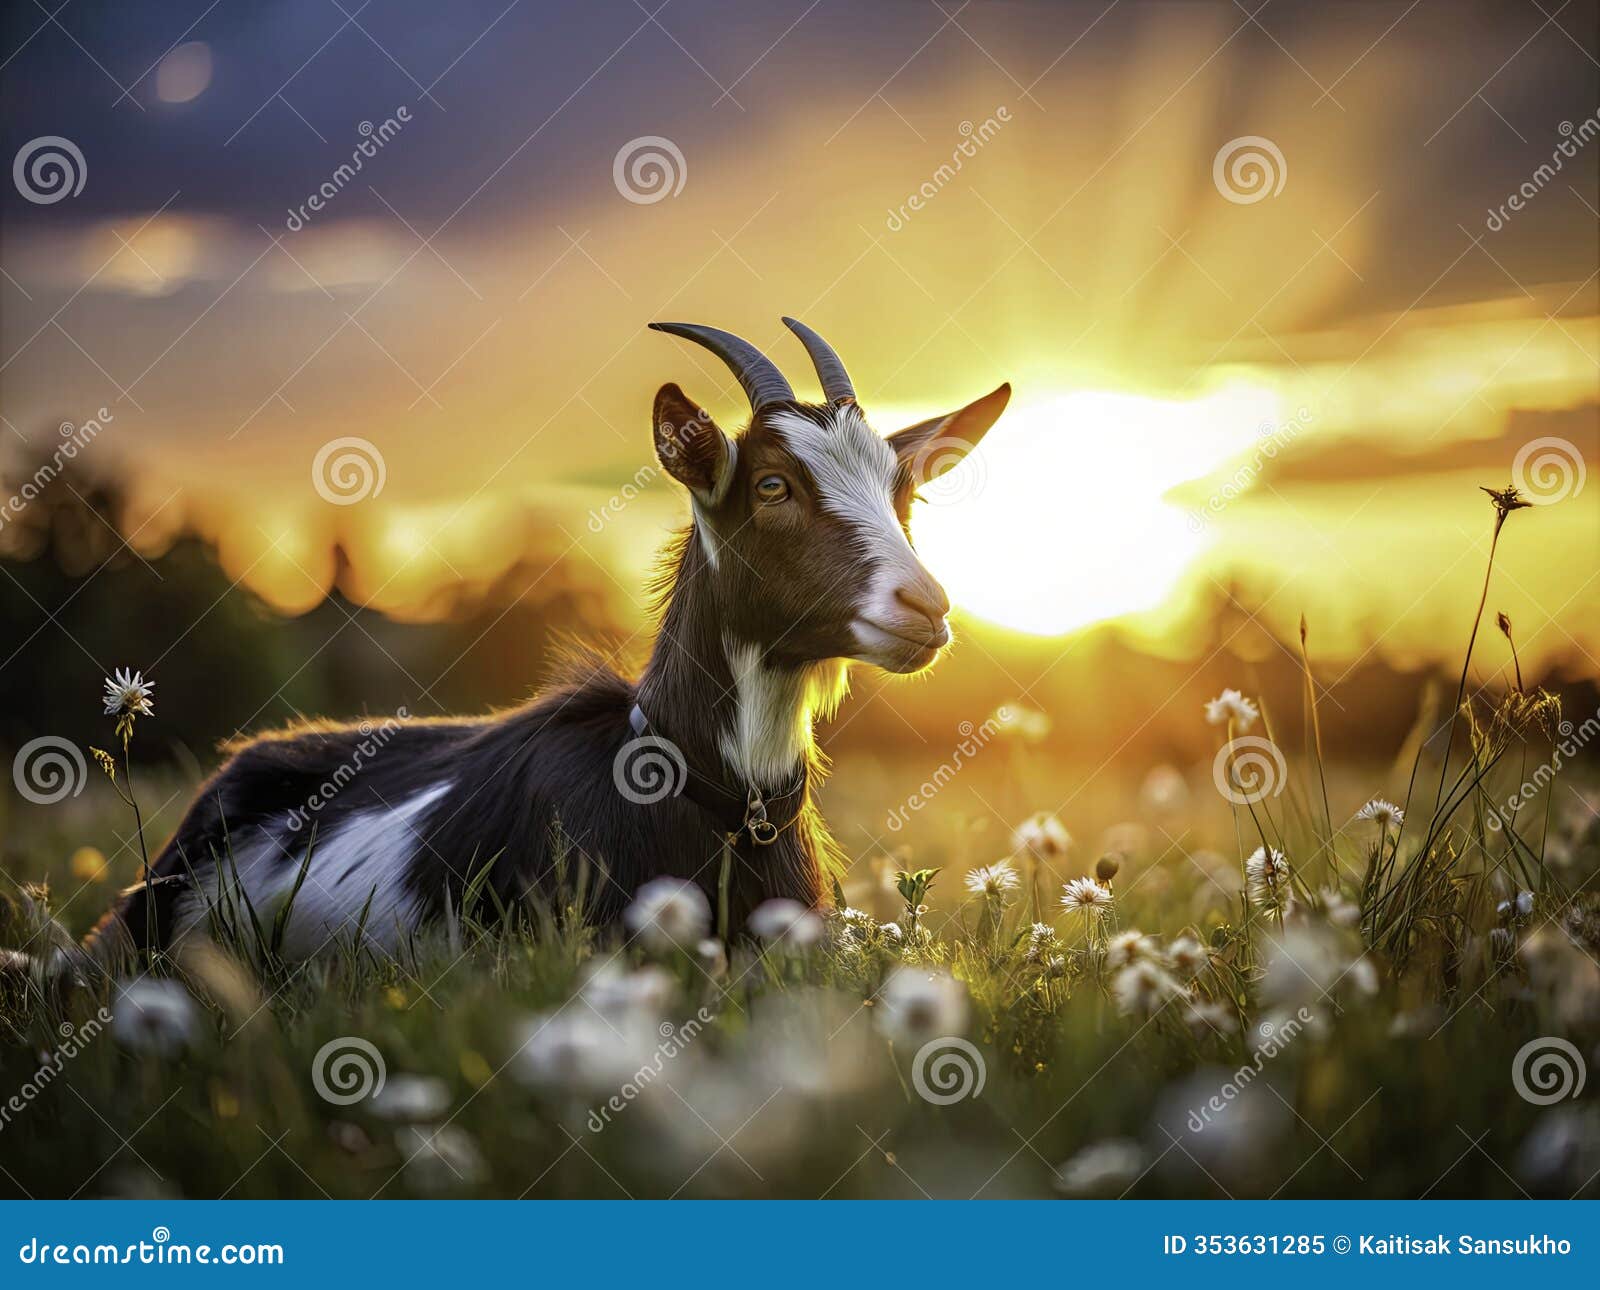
[805, 515]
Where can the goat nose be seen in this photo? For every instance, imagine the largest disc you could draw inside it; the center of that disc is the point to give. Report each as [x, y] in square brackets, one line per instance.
[927, 598]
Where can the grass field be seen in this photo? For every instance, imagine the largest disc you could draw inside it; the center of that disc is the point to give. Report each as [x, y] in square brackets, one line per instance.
[1350, 1021]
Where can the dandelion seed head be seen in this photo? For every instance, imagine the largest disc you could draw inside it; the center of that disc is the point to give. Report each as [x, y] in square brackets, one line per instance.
[1232, 706]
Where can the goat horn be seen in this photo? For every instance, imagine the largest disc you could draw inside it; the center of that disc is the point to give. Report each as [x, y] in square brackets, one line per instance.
[830, 369]
[762, 381]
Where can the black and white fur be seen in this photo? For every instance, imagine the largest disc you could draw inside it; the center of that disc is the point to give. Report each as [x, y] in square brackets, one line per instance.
[765, 602]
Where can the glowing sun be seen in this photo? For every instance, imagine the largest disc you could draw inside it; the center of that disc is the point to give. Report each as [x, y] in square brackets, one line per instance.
[1059, 519]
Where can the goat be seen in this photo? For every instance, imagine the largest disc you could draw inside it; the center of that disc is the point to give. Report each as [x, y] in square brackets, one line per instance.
[796, 562]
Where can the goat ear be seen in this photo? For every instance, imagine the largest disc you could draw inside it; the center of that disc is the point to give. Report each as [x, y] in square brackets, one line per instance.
[934, 446]
[690, 445]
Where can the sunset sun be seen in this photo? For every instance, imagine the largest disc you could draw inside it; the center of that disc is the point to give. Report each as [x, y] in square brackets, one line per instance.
[1063, 519]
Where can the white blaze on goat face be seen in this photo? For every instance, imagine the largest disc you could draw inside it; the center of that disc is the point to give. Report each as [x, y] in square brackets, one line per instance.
[854, 471]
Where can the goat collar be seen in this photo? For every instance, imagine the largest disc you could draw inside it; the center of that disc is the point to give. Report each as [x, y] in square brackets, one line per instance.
[735, 815]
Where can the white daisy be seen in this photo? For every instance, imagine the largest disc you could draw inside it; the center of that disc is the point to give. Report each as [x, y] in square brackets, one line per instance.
[1087, 897]
[129, 692]
[669, 913]
[441, 1159]
[785, 923]
[1267, 872]
[411, 1097]
[1143, 987]
[1187, 956]
[154, 1016]
[1042, 942]
[1208, 1017]
[1341, 911]
[1231, 706]
[1382, 812]
[1129, 947]
[1042, 836]
[916, 1005]
[993, 881]
[1105, 1169]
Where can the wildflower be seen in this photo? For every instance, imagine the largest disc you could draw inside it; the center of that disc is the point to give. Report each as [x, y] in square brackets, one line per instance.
[89, 864]
[785, 923]
[668, 913]
[891, 932]
[1129, 947]
[1085, 896]
[574, 1050]
[1042, 942]
[411, 1097]
[1105, 1169]
[156, 1017]
[1188, 957]
[1505, 501]
[916, 1005]
[712, 957]
[620, 994]
[993, 881]
[128, 693]
[1017, 718]
[1381, 812]
[1210, 1017]
[1107, 867]
[440, 1159]
[1042, 836]
[1143, 987]
[1164, 791]
[1339, 909]
[1267, 872]
[1231, 707]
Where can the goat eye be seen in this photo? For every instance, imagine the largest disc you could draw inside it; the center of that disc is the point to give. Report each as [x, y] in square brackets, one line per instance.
[772, 488]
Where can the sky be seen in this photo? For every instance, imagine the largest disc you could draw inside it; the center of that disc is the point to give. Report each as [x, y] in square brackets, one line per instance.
[1277, 285]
